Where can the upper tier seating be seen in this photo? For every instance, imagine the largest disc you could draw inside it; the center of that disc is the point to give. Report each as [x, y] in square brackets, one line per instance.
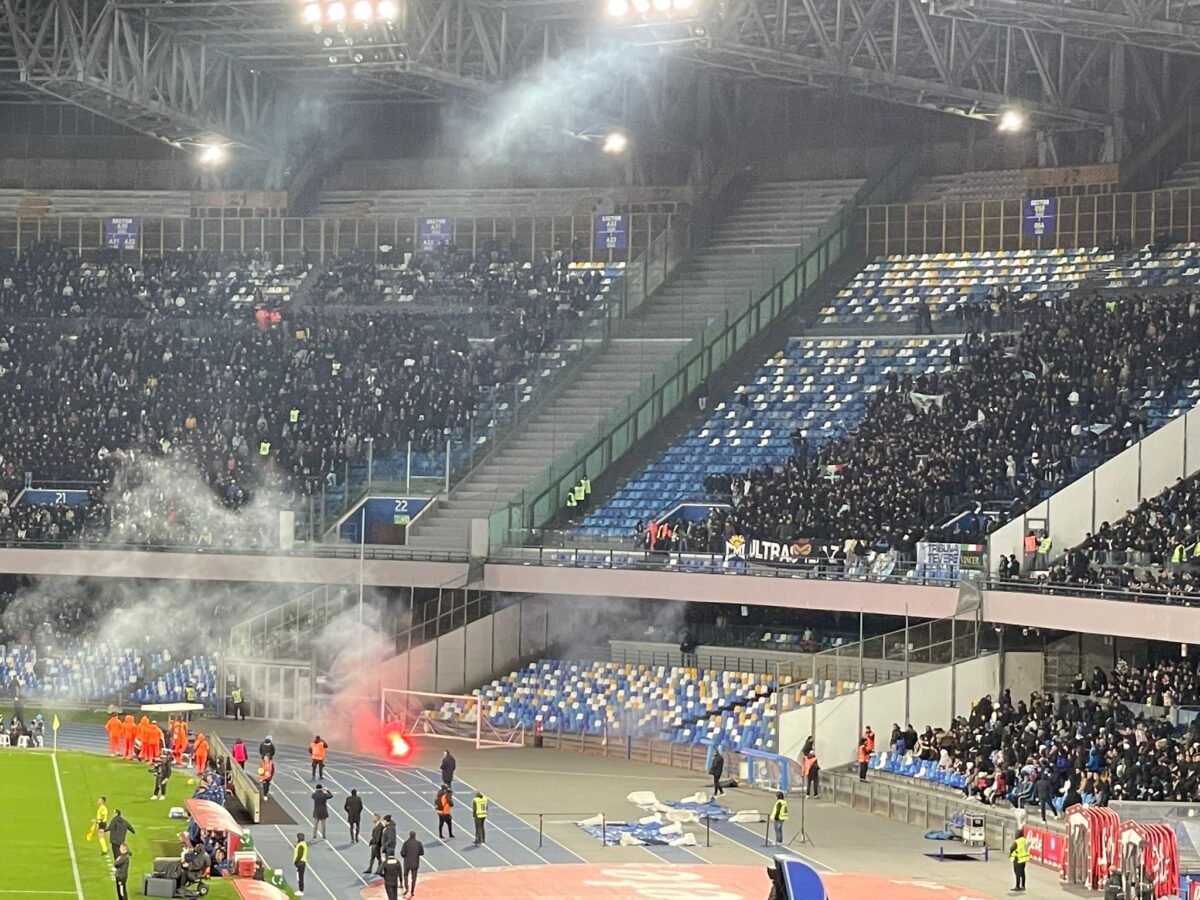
[171, 686]
[890, 290]
[681, 705]
[820, 385]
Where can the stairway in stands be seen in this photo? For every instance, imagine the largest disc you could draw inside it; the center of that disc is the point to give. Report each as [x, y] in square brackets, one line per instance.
[771, 218]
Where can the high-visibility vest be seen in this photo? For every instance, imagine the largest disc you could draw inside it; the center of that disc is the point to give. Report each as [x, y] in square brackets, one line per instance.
[264, 448]
[479, 805]
[779, 811]
[870, 736]
[1020, 852]
[1177, 554]
[863, 754]
[1031, 544]
[1044, 546]
[317, 749]
[579, 492]
[571, 501]
[1196, 549]
[443, 804]
[294, 415]
[190, 693]
[268, 768]
[586, 484]
[237, 695]
[301, 854]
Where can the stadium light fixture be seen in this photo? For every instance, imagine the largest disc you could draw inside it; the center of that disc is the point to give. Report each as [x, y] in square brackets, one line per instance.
[363, 10]
[615, 143]
[1011, 121]
[684, 5]
[661, 6]
[336, 12]
[312, 13]
[212, 155]
[616, 9]
[388, 10]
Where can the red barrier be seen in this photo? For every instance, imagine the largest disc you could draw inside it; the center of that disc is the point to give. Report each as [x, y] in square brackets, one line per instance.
[1048, 848]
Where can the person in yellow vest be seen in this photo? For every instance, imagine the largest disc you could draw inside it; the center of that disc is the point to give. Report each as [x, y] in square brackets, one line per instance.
[239, 703]
[571, 501]
[264, 448]
[1019, 854]
[479, 805]
[779, 815]
[100, 823]
[1043, 549]
[300, 860]
[579, 493]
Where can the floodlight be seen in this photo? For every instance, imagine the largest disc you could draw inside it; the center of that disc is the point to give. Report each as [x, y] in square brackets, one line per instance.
[642, 6]
[684, 5]
[312, 13]
[363, 10]
[212, 155]
[336, 12]
[615, 143]
[617, 9]
[1011, 120]
[661, 6]
[387, 10]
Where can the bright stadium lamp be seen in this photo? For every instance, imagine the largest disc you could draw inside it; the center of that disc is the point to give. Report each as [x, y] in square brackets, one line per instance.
[616, 9]
[615, 143]
[641, 6]
[363, 10]
[661, 6]
[388, 10]
[684, 5]
[312, 13]
[336, 12]
[1011, 120]
[212, 155]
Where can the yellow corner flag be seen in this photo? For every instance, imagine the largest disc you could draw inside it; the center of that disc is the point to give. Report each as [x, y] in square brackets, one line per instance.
[54, 725]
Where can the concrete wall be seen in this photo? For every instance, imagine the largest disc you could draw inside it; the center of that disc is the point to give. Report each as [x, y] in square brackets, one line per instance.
[1107, 493]
[463, 659]
[931, 698]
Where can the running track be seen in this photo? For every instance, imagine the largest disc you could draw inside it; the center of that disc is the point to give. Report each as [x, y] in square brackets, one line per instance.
[335, 865]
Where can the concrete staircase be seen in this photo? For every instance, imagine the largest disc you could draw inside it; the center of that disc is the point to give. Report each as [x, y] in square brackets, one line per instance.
[600, 386]
[1186, 176]
[773, 217]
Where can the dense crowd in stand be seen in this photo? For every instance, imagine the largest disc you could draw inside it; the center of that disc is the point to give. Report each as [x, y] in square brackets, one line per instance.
[243, 402]
[1091, 749]
[1154, 549]
[1016, 418]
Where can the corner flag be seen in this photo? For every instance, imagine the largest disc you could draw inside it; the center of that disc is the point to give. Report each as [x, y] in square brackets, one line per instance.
[54, 725]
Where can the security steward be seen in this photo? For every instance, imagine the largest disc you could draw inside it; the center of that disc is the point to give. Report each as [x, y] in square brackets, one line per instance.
[779, 815]
[317, 750]
[444, 803]
[1019, 854]
[189, 693]
[864, 758]
[300, 860]
[479, 806]
[239, 704]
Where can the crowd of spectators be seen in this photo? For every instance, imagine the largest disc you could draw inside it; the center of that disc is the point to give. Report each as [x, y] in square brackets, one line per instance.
[1016, 418]
[88, 398]
[1166, 683]
[49, 280]
[1050, 754]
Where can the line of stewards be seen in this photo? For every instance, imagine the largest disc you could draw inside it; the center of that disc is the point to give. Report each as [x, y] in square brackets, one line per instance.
[579, 494]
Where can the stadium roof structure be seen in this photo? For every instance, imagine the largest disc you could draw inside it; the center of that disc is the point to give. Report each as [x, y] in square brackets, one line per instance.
[245, 70]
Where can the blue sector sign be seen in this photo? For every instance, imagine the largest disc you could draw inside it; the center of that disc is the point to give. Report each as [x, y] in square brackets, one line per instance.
[432, 233]
[121, 233]
[381, 511]
[611, 233]
[52, 497]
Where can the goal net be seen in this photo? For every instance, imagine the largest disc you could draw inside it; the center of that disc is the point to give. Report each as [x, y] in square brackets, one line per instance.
[461, 717]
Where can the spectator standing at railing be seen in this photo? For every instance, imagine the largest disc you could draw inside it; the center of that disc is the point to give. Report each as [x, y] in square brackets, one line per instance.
[864, 757]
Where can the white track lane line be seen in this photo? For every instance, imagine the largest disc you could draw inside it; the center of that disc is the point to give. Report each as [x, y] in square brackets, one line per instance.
[419, 823]
[62, 805]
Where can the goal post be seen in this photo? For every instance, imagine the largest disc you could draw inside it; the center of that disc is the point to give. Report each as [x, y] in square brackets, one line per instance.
[458, 717]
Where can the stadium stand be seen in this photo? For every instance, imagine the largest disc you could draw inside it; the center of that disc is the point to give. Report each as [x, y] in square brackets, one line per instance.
[682, 705]
[82, 671]
[251, 399]
[1077, 750]
[170, 687]
[1093, 371]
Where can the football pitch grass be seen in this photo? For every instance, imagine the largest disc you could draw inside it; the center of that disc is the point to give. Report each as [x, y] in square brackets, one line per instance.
[38, 854]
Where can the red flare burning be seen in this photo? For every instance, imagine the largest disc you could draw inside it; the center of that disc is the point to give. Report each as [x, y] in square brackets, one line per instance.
[398, 745]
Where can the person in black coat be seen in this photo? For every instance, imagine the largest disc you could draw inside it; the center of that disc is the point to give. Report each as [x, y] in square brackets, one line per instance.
[716, 770]
[267, 748]
[1043, 790]
[376, 845]
[320, 798]
[118, 829]
[448, 766]
[121, 856]
[353, 807]
[387, 845]
[411, 853]
[391, 878]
